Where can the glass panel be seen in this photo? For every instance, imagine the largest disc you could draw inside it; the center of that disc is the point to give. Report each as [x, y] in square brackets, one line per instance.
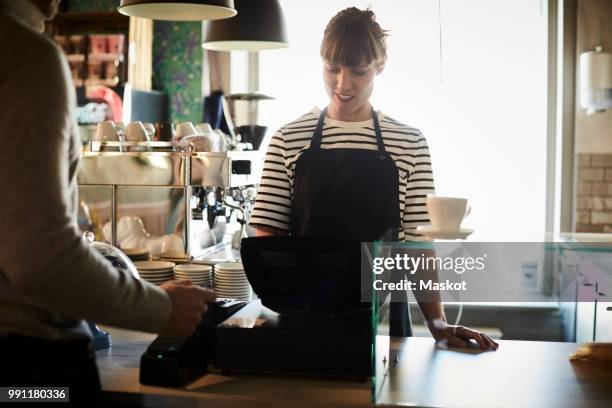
[158, 207]
[146, 216]
[94, 209]
[381, 305]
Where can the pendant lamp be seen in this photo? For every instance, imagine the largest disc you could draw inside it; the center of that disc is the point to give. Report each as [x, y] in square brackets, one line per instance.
[259, 25]
[178, 10]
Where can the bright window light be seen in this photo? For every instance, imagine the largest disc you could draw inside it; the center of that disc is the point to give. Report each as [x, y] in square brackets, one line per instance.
[470, 74]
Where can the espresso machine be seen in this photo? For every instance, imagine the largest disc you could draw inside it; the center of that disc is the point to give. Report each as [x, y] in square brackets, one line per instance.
[172, 191]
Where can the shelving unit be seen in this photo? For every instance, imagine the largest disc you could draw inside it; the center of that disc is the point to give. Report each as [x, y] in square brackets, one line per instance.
[76, 33]
[82, 22]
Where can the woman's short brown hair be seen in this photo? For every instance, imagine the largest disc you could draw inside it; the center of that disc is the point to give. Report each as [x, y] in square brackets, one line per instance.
[353, 37]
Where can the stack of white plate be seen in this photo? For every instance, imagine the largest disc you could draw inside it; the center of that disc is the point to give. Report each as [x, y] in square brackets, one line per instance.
[231, 282]
[176, 260]
[156, 272]
[197, 274]
[137, 254]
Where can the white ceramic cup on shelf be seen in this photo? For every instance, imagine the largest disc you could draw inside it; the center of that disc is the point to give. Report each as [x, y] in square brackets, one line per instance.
[185, 129]
[201, 143]
[150, 129]
[447, 213]
[204, 128]
[136, 132]
[106, 132]
[120, 126]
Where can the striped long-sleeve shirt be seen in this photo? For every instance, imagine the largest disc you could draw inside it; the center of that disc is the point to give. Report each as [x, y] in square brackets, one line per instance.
[406, 145]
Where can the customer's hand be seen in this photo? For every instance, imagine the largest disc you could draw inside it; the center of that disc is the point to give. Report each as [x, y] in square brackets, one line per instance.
[188, 305]
[459, 336]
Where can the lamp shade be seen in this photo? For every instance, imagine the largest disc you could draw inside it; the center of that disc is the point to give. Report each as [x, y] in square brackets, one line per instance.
[181, 10]
[259, 25]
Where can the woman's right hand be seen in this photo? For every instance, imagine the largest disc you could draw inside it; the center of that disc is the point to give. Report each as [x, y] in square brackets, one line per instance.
[189, 303]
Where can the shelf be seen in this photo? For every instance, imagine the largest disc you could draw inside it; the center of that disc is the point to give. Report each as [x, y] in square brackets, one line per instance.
[106, 82]
[106, 57]
[89, 22]
[75, 57]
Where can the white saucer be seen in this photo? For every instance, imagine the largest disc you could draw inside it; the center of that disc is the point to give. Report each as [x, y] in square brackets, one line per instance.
[428, 232]
[154, 265]
[229, 267]
[229, 273]
[155, 273]
[135, 252]
[193, 275]
[232, 287]
[192, 268]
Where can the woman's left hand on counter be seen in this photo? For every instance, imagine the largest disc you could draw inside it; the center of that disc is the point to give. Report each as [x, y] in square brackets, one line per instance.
[459, 336]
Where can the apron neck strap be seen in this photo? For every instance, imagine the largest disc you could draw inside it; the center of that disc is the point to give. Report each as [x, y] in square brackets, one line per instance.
[318, 134]
[316, 138]
[379, 138]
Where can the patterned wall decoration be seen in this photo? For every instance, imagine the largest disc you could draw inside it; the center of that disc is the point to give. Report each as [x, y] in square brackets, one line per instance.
[177, 67]
[92, 5]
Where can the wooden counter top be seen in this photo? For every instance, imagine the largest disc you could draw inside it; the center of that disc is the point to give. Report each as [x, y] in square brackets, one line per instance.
[119, 370]
[520, 373]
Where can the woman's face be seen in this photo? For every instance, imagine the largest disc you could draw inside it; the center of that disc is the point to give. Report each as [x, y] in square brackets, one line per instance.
[349, 88]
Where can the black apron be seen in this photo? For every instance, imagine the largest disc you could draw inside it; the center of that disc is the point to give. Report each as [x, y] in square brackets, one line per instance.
[349, 194]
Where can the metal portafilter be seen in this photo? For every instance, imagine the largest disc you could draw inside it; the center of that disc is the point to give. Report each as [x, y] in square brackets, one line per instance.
[210, 205]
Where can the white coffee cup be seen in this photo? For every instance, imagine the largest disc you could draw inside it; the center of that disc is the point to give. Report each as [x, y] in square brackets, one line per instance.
[120, 126]
[185, 129]
[150, 129]
[135, 132]
[201, 143]
[106, 132]
[204, 128]
[447, 213]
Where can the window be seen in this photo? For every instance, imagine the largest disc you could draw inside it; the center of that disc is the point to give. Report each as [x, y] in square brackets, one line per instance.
[470, 74]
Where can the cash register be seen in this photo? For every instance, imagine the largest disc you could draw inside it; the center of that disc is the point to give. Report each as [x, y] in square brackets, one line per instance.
[309, 318]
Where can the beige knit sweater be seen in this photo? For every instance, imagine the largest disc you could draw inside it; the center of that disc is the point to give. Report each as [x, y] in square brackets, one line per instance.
[49, 279]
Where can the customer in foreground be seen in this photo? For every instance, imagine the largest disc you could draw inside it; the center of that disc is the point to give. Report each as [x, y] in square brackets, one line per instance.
[50, 280]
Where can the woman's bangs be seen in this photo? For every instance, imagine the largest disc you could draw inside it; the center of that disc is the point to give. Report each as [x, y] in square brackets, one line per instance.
[349, 49]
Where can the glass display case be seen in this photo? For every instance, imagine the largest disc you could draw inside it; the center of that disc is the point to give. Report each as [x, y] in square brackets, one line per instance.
[582, 291]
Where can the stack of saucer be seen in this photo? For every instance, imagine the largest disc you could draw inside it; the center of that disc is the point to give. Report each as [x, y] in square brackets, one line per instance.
[197, 274]
[137, 254]
[176, 260]
[156, 272]
[231, 282]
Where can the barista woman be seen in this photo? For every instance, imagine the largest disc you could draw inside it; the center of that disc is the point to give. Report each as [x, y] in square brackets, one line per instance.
[350, 172]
